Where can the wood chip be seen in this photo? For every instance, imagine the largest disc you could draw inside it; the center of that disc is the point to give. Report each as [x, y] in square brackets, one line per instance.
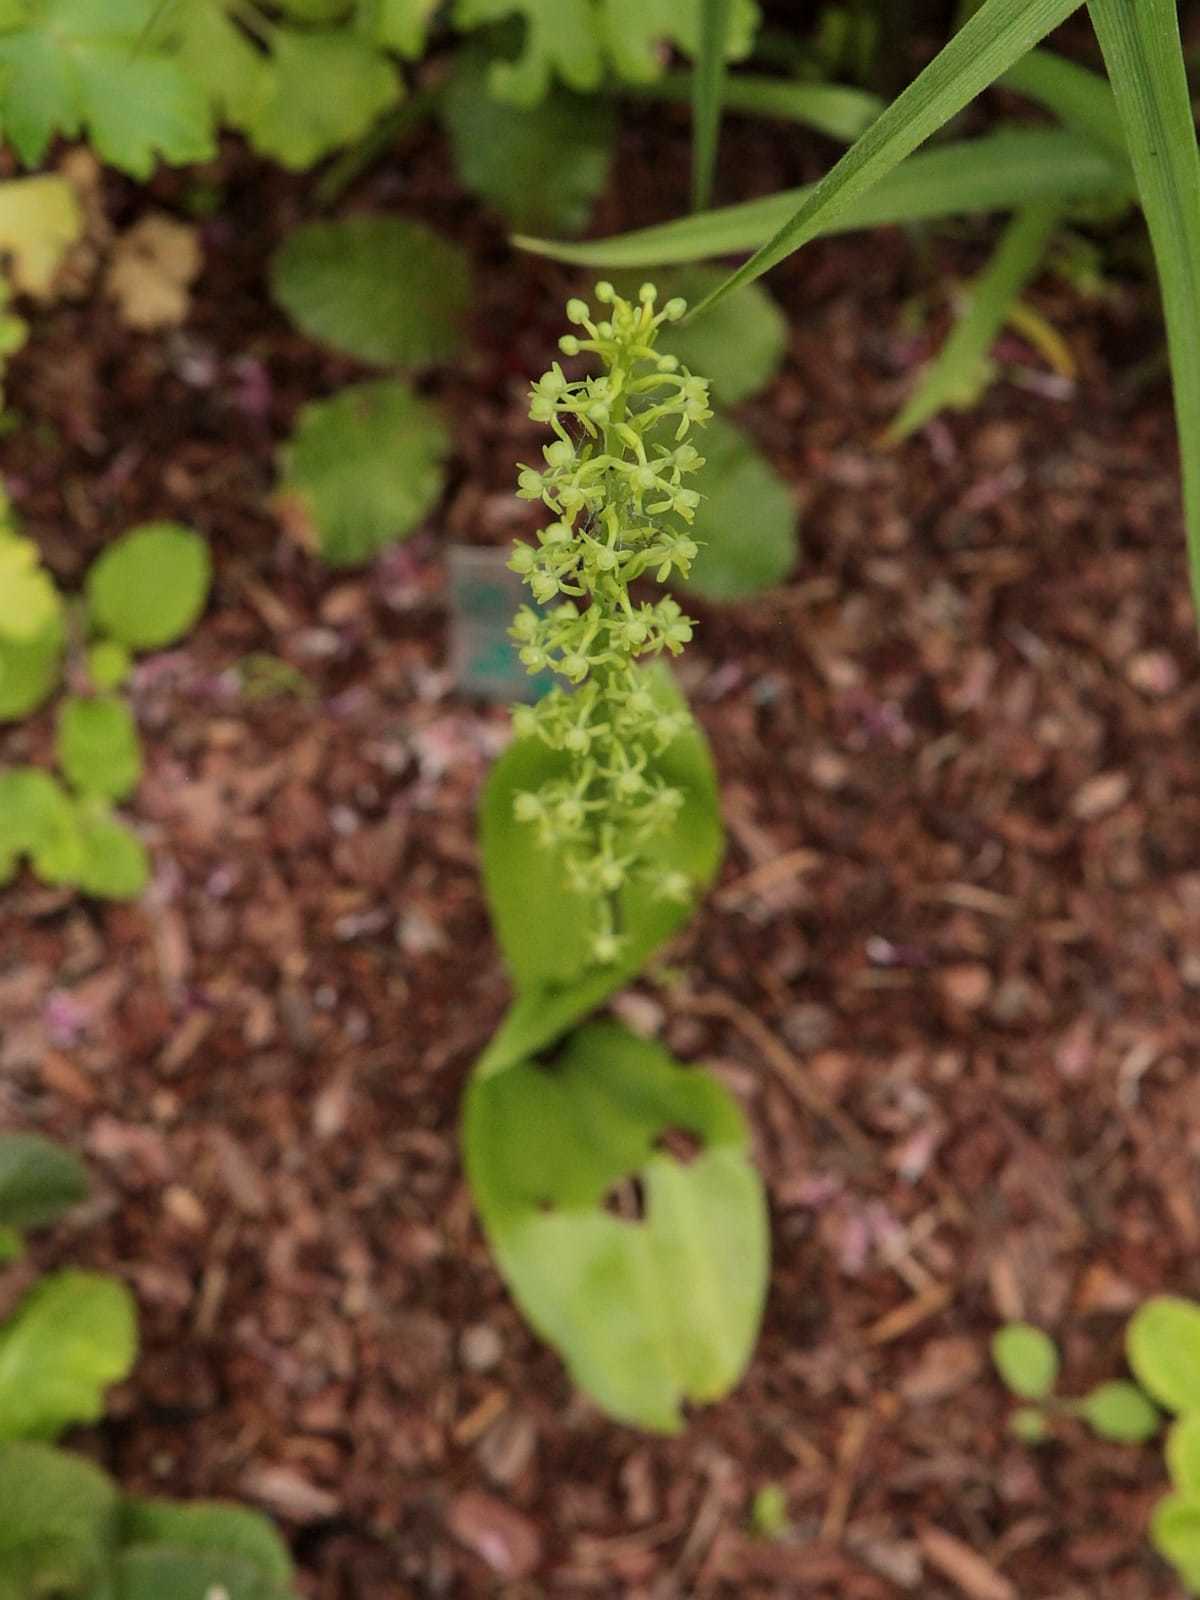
[968, 1571]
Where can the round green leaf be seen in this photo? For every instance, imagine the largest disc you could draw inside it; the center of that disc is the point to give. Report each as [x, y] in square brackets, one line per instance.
[115, 865]
[1120, 1411]
[1029, 1425]
[1175, 1534]
[98, 747]
[746, 522]
[1026, 1359]
[109, 664]
[380, 288]
[57, 1524]
[30, 670]
[541, 168]
[738, 346]
[38, 1180]
[73, 1335]
[149, 587]
[361, 470]
[1163, 1346]
[647, 1313]
[1183, 1455]
[541, 925]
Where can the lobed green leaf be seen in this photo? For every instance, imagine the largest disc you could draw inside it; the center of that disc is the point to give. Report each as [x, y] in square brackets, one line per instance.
[646, 1313]
[361, 470]
[71, 1337]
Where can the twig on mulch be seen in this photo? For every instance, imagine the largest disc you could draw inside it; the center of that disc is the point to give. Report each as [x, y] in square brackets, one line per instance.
[786, 1067]
[850, 1449]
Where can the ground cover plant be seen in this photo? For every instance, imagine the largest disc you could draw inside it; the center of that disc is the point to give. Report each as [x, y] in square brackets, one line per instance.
[1163, 1348]
[65, 1529]
[588, 1150]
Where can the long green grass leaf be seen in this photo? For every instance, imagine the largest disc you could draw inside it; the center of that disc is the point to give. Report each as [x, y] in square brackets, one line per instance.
[999, 172]
[834, 109]
[991, 42]
[959, 373]
[1079, 98]
[707, 84]
[1144, 56]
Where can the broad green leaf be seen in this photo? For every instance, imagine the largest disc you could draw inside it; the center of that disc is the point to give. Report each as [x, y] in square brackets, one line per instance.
[383, 289]
[990, 42]
[361, 470]
[70, 1338]
[961, 371]
[40, 219]
[321, 90]
[115, 865]
[98, 747]
[38, 821]
[1121, 1412]
[1163, 1346]
[29, 602]
[170, 1573]
[226, 1530]
[57, 1514]
[739, 348]
[541, 168]
[87, 66]
[746, 523]
[1144, 57]
[646, 1313]
[834, 109]
[1175, 1534]
[541, 925]
[708, 83]
[1183, 1454]
[38, 1181]
[998, 172]
[1026, 1359]
[149, 587]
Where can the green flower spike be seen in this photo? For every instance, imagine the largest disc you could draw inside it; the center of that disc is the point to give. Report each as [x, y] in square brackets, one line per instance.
[613, 479]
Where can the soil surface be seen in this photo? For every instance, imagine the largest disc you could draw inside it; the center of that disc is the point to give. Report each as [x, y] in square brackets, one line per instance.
[961, 903]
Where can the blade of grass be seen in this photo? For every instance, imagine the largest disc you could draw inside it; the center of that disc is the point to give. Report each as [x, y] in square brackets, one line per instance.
[707, 83]
[998, 172]
[958, 374]
[1079, 98]
[1144, 56]
[831, 108]
[992, 41]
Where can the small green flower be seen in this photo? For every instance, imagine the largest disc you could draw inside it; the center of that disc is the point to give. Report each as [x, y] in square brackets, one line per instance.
[613, 482]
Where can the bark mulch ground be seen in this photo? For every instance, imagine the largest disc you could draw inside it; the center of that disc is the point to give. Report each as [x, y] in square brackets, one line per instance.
[952, 967]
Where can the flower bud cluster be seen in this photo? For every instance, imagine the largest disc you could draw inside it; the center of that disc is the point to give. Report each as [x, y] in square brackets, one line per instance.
[613, 478]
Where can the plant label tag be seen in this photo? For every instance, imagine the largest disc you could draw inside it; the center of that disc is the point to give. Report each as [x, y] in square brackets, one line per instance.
[484, 595]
